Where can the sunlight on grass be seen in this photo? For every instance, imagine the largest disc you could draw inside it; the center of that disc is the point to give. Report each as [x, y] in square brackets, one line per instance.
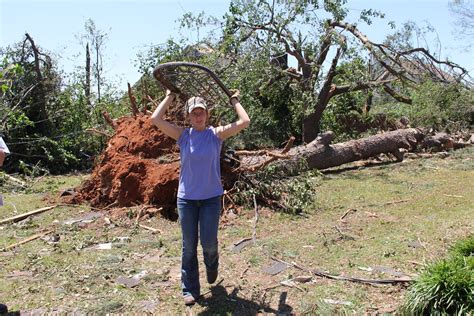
[399, 216]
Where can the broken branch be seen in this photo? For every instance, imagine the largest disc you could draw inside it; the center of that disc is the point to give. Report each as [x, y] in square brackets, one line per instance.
[96, 131]
[31, 238]
[133, 100]
[347, 212]
[25, 215]
[343, 278]
[154, 230]
[254, 234]
[109, 120]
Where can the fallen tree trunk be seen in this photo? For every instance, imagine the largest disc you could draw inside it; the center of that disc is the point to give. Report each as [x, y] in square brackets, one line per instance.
[321, 154]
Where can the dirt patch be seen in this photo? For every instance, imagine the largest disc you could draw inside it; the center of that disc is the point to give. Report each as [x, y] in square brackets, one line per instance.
[139, 166]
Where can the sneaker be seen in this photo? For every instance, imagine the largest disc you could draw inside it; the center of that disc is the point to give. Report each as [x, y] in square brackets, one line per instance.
[211, 276]
[189, 300]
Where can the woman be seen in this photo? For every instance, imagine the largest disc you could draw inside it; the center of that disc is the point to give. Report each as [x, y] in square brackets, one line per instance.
[3, 151]
[200, 188]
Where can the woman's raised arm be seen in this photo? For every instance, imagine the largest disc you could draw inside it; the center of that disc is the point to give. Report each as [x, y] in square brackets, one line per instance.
[234, 128]
[166, 127]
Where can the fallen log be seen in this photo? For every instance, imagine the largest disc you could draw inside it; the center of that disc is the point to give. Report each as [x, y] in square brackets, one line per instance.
[321, 154]
[441, 142]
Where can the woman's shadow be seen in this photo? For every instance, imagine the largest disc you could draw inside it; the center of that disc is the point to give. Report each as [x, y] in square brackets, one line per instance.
[222, 302]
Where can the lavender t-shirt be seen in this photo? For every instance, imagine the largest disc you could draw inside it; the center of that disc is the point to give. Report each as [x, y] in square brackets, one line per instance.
[200, 175]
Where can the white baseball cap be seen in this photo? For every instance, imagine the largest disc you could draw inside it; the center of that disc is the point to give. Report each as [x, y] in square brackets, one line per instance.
[196, 102]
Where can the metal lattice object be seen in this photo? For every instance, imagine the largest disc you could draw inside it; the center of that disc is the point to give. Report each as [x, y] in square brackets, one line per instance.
[190, 79]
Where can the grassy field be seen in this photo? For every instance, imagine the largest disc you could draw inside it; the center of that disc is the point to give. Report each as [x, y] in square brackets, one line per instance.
[402, 216]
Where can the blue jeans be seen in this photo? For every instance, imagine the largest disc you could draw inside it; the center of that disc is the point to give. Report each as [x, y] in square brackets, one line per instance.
[198, 218]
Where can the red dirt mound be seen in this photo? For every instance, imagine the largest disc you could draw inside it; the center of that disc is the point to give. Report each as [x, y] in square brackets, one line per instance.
[139, 166]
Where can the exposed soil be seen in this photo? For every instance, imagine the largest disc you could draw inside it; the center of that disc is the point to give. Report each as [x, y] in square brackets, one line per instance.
[139, 166]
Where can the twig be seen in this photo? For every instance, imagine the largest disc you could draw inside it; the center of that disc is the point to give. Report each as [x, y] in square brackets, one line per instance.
[9, 177]
[291, 284]
[288, 145]
[209, 291]
[133, 100]
[343, 236]
[241, 241]
[110, 205]
[347, 212]
[254, 234]
[229, 198]
[271, 287]
[452, 195]
[138, 215]
[25, 215]
[422, 244]
[396, 202]
[109, 120]
[96, 131]
[14, 206]
[37, 180]
[154, 230]
[416, 262]
[261, 152]
[243, 272]
[343, 278]
[24, 241]
[264, 163]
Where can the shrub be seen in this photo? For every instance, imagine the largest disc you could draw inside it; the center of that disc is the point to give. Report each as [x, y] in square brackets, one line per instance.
[446, 286]
[464, 247]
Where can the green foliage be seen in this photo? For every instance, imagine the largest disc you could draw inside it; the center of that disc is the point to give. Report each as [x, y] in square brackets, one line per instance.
[442, 106]
[446, 286]
[45, 121]
[435, 105]
[273, 109]
[344, 116]
[464, 247]
[277, 190]
[276, 103]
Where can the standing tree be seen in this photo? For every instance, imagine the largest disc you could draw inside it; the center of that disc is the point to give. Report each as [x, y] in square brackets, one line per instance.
[87, 83]
[96, 38]
[315, 34]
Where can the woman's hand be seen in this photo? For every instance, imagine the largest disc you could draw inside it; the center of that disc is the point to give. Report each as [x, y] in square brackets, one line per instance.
[166, 127]
[169, 93]
[224, 132]
[235, 97]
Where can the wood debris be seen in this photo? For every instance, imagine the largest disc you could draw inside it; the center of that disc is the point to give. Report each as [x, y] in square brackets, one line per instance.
[20, 217]
[344, 278]
[154, 230]
[26, 240]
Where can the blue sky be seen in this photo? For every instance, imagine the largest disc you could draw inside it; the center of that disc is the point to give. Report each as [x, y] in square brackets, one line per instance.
[134, 25]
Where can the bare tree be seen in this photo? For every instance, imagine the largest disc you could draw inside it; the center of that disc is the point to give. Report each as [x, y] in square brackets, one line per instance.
[96, 38]
[464, 26]
[87, 84]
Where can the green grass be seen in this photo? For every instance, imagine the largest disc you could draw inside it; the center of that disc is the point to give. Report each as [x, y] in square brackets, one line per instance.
[445, 287]
[407, 215]
[463, 247]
